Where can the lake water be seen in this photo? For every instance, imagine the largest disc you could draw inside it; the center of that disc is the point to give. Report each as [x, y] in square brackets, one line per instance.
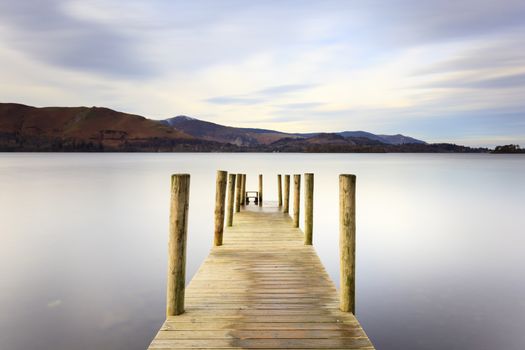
[440, 244]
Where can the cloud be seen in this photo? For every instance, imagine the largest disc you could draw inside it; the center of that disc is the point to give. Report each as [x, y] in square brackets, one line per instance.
[300, 105]
[411, 22]
[500, 82]
[48, 33]
[235, 100]
[494, 55]
[54, 303]
[284, 89]
[261, 96]
[507, 81]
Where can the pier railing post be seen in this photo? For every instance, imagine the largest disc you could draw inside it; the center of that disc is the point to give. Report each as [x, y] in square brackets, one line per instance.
[308, 208]
[180, 194]
[279, 190]
[238, 193]
[347, 241]
[286, 207]
[231, 194]
[260, 190]
[220, 199]
[243, 190]
[296, 198]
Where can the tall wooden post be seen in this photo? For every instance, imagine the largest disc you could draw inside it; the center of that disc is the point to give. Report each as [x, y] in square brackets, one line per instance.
[231, 194]
[286, 207]
[296, 198]
[279, 190]
[220, 199]
[238, 193]
[308, 208]
[347, 241]
[260, 190]
[243, 190]
[180, 196]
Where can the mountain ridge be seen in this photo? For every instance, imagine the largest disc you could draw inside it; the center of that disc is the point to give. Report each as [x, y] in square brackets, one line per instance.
[189, 124]
[27, 128]
[100, 129]
[221, 133]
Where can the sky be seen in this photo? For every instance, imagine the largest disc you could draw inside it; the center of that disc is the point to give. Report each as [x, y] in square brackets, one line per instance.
[441, 71]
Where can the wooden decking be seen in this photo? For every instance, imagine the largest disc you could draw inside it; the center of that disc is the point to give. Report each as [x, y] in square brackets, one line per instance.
[262, 289]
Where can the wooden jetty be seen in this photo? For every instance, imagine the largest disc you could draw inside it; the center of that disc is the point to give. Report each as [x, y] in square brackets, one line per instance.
[262, 285]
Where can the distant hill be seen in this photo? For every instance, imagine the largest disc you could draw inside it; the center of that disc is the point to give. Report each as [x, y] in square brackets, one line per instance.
[98, 129]
[25, 128]
[508, 149]
[226, 134]
[253, 137]
[388, 139]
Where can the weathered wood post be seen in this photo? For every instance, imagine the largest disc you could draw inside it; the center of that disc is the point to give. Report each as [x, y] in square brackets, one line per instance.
[286, 207]
[243, 190]
[308, 208]
[180, 195]
[260, 189]
[220, 199]
[279, 190]
[231, 194]
[238, 193]
[296, 198]
[347, 241]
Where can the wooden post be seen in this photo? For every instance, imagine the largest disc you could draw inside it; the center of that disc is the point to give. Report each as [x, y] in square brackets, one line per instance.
[238, 193]
[347, 241]
[296, 198]
[260, 189]
[231, 194]
[286, 207]
[279, 190]
[308, 208]
[243, 190]
[220, 199]
[180, 195]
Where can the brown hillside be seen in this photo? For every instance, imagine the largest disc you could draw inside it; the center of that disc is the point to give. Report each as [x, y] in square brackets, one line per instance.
[81, 123]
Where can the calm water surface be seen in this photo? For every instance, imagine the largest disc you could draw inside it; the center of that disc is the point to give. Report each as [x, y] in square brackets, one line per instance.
[440, 255]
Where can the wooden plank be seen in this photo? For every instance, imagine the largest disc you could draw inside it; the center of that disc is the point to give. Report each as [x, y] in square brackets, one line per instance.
[203, 326]
[262, 334]
[236, 343]
[262, 289]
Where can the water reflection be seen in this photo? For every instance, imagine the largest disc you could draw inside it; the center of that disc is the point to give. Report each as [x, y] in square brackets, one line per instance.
[83, 244]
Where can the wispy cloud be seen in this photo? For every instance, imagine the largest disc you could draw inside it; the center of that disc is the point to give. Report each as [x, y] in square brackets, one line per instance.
[47, 32]
[54, 303]
[234, 100]
[500, 82]
[284, 89]
[422, 22]
[300, 105]
[507, 81]
[492, 56]
[265, 95]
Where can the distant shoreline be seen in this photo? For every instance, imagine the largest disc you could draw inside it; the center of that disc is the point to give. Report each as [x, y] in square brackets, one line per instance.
[97, 129]
[243, 152]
